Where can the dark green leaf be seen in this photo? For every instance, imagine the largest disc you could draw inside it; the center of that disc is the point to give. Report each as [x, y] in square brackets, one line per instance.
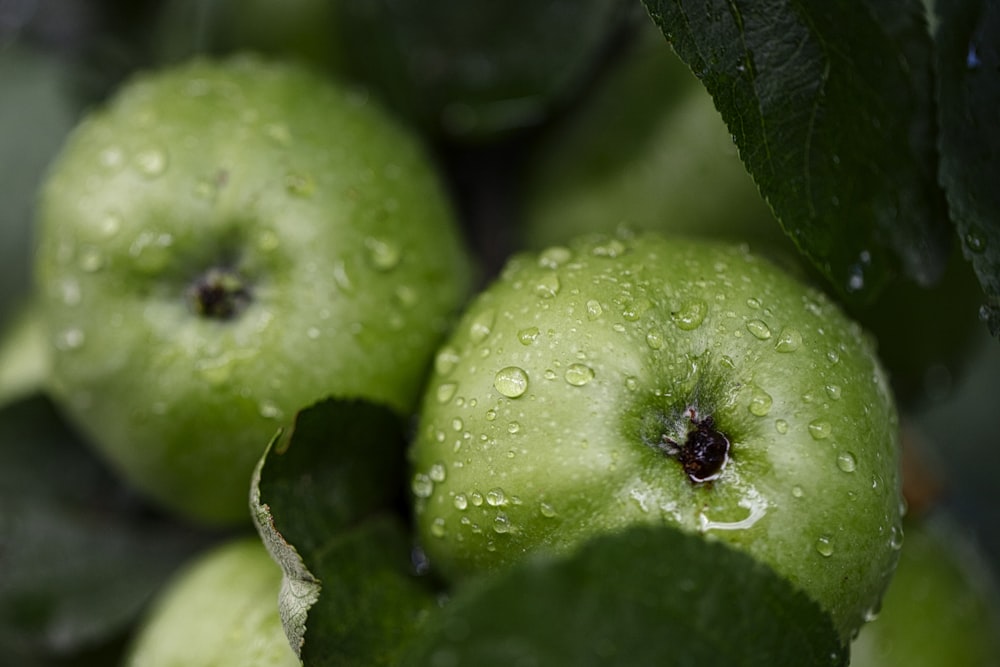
[831, 106]
[648, 596]
[322, 499]
[968, 65]
[80, 555]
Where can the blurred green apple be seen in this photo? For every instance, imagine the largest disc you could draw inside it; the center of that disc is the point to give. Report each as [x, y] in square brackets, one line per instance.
[942, 608]
[617, 381]
[221, 609]
[224, 243]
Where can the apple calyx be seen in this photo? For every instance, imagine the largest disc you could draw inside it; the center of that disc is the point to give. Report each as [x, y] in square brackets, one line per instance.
[219, 293]
[705, 450]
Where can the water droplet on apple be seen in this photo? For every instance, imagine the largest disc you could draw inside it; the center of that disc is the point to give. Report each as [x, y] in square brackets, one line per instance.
[797, 492]
[299, 184]
[754, 303]
[527, 336]
[269, 410]
[110, 225]
[382, 255]
[461, 502]
[70, 339]
[781, 426]
[501, 524]
[511, 381]
[579, 374]
[491, 415]
[833, 391]
[833, 356]
[445, 361]
[111, 157]
[437, 527]
[759, 329]
[824, 546]
[422, 485]
[896, 538]
[445, 392]
[690, 315]
[760, 402]
[547, 510]
[151, 162]
[476, 499]
[611, 248]
[654, 339]
[847, 462]
[437, 472]
[819, 429]
[594, 309]
[789, 340]
[457, 424]
[496, 498]
[631, 383]
[547, 286]
[554, 257]
[481, 326]
[513, 428]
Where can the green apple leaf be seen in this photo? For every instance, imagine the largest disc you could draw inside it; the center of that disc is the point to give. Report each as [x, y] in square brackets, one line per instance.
[647, 596]
[831, 107]
[80, 554]
[968, 67]
[322, 498]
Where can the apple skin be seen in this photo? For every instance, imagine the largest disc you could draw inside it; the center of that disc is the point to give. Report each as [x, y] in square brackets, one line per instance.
[543, 420]
[267, 191]
[220, 609]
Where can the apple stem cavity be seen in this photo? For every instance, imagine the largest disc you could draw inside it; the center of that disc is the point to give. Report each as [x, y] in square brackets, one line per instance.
[220, 294]
[705, 450]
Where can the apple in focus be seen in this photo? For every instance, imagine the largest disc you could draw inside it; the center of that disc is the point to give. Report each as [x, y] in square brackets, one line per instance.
[615, 381]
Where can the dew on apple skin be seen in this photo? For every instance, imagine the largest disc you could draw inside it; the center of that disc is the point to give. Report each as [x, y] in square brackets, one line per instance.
[579, 374]
[151, 162]
[527, 336]
[547, 510]
[70, 339]
[457, 424]
[511, 381]
[481, 326]
[438, 527]
[269, 410]
[513, 428]
[422, 485]
[847, 462]
[437, 472]
[446, 392]
[760, 402]
[476, 499]
[496, 497]
[834, 391]
[554, 257]
[690, 315]
[789, 340]
[654, 339]
[461, 502]
[781, 426]
[491, 415]
[445, 361]
[758, 329]
[820, 429]
[382, 255]
[501, 523]
[547, 286]
[594, 309]
[798, 492]
[824, 546]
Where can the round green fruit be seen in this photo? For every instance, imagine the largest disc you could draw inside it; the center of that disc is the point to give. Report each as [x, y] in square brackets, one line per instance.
[221, 609]
[620, 381]
[224, 243]
[942, 608]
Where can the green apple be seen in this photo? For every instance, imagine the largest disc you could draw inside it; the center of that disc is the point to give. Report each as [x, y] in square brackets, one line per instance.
[220, 609]
[224, 243]
[942, 608]
[645, 149]
[615, 381]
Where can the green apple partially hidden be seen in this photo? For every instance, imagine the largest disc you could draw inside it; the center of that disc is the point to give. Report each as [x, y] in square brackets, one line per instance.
[225, 243]
[222, 609]
[617, 381]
